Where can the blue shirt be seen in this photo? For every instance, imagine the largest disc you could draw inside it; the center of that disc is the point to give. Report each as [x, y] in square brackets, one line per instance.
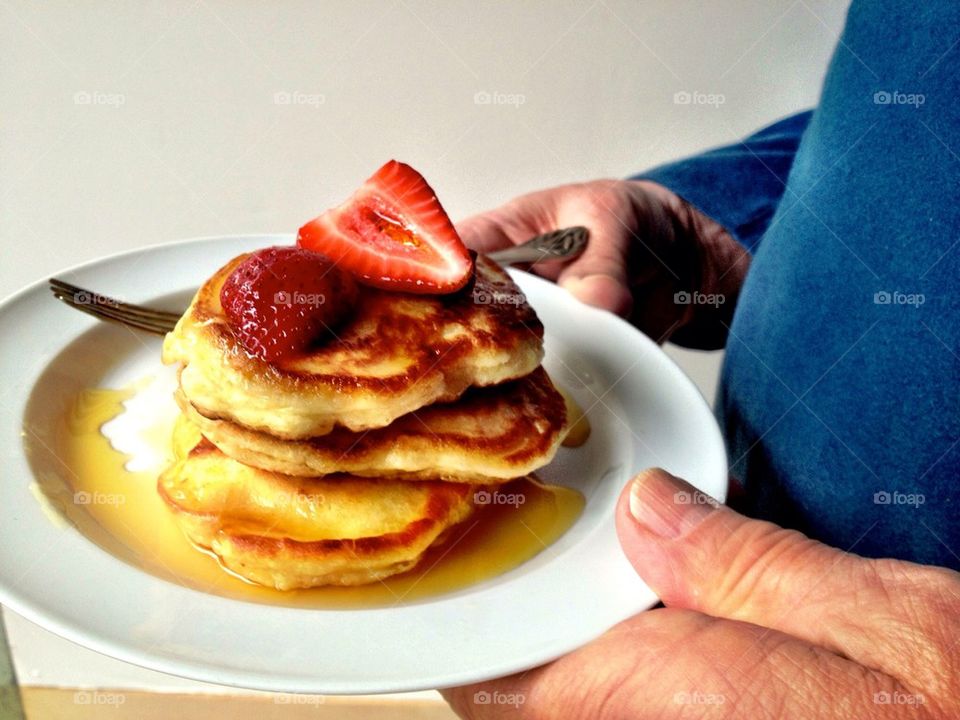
[839, 397]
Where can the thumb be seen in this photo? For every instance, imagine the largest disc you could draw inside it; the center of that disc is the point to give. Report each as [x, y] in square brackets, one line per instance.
[698, 555]
[599, 276]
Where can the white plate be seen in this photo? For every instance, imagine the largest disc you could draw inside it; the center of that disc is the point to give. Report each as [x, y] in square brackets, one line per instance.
[642, 408]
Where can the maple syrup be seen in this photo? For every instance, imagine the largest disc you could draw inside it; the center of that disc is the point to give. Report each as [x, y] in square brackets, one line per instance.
[121, 511]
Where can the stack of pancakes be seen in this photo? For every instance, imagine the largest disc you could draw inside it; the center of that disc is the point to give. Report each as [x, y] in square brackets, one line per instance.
[344, 465]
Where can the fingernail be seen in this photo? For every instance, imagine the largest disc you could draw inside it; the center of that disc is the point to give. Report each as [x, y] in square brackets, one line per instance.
[578, 286]
[572, 285]
[666, 505]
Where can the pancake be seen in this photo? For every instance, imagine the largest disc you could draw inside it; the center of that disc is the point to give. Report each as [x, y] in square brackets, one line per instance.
[396, 354]
[290, 533]
[490, 435]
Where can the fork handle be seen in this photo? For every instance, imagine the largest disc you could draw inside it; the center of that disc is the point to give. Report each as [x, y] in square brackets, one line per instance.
[562, 244]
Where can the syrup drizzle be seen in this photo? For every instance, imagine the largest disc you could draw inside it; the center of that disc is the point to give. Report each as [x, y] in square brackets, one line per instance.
[121, 511]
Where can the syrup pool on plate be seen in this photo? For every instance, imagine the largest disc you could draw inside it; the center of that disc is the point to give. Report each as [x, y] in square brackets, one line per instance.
[115, 503]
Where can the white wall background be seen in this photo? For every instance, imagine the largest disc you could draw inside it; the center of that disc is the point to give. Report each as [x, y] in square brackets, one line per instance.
[127, 124]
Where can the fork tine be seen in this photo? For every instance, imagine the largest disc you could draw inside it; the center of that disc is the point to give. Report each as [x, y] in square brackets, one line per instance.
[81, 296]
[100, 314]
[105, 307]
[126, 322]
[78, 294]
[157, 323]
[102, 311]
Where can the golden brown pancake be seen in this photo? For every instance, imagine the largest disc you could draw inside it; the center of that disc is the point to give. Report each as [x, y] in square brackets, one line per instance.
[397, 353]
[490, 435]
[288, 532]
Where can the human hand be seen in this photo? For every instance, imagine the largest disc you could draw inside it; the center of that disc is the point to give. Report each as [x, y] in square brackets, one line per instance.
[760, 622]
[646, 245]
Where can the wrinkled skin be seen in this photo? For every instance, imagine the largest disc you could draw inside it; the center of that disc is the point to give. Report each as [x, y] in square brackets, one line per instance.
[759, 622]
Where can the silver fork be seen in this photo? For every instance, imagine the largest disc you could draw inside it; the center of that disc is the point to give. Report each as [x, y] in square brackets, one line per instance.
[557, 245]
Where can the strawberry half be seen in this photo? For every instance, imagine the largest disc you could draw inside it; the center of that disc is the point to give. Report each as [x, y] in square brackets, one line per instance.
[281, 300]
[393, 234]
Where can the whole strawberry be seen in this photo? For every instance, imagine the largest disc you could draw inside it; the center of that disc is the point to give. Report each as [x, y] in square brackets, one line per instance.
[282, 300]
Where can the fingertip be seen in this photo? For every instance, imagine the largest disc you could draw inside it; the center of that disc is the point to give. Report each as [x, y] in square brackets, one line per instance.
[483, 234]
[633, 540]
[626, 511]
[655, 514]
[496, 698]
[455, 698]
[602, 291]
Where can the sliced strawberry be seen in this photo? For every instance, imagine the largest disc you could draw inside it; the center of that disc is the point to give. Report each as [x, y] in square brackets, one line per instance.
[281, 300]
[393, 234]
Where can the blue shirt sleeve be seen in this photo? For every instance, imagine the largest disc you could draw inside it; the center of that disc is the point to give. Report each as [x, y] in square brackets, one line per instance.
[739, 185]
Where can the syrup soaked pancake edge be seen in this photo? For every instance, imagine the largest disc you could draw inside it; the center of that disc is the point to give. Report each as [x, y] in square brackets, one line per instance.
[287, 532]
